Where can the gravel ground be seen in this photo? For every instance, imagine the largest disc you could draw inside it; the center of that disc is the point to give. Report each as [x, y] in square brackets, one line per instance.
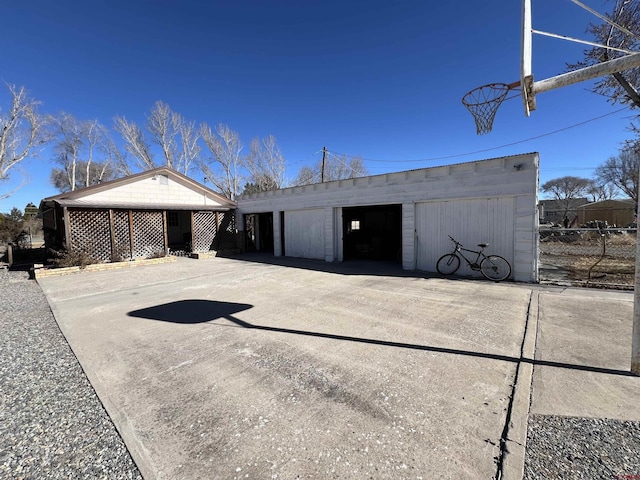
[52, 424]
[582, 448]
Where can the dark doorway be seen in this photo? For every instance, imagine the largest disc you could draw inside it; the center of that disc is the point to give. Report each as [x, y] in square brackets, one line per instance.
[259, 232]
[179, 230]
[373, 232]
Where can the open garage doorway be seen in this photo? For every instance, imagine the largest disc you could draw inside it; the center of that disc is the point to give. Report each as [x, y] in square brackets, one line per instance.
[259, 232]
[372, 232]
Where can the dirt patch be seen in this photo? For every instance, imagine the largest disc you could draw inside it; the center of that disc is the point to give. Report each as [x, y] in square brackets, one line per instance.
[608, 271]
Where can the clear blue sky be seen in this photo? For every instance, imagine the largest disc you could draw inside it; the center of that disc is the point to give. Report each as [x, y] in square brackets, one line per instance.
[378, 79]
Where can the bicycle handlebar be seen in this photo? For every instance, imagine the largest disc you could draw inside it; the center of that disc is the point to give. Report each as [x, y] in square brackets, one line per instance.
[454, 240]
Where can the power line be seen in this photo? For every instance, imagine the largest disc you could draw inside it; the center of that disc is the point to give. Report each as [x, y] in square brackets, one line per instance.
[447, 157]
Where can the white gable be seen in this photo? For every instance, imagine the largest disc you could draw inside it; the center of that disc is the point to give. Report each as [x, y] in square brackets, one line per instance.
[154, 191]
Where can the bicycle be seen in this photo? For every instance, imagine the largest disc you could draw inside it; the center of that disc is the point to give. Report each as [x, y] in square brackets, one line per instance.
[492, 267]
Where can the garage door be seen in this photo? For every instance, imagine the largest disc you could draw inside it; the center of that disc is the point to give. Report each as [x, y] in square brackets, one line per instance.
[304, 233]
[470, 222]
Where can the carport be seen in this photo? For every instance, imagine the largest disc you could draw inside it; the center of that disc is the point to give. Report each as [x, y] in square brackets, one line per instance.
[405, 216]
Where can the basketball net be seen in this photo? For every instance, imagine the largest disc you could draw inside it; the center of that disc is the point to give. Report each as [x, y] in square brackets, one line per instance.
[483, 103]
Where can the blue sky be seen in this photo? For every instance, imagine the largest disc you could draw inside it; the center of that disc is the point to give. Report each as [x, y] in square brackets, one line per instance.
[380, 80]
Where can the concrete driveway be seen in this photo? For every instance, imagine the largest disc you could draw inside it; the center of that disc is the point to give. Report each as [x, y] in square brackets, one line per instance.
[232, 368]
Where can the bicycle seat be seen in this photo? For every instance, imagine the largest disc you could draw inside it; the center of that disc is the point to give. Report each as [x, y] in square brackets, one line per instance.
[483, 245]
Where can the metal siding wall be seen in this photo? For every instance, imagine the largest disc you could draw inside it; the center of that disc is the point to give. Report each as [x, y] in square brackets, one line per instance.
[304, 233]
[470, 222]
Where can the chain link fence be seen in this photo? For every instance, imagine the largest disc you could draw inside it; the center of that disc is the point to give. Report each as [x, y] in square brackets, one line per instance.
[588, 256]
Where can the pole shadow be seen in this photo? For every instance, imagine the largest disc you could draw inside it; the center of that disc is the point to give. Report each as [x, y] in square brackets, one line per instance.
[203, 311]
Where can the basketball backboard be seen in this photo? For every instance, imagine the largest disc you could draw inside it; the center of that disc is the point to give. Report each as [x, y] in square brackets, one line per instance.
[483, 102]
[526, 74]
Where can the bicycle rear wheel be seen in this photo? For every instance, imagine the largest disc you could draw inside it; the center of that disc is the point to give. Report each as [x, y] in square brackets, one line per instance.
[448, 264]
[495, 268]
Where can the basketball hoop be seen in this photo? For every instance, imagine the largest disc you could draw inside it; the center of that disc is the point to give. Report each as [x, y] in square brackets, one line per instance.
[483, 103]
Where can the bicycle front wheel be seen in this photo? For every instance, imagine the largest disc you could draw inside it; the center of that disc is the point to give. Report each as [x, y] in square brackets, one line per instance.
[495, 268]
[448, 264]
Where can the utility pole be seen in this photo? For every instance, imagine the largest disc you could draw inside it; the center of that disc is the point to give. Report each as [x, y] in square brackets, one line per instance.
[324, 156]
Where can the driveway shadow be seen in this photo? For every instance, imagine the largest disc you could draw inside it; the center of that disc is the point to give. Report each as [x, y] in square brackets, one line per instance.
[190, 311]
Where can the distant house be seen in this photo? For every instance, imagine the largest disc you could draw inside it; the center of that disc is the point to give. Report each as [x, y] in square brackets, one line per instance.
[615, 212]
[139, 216]
[30, 211]
[554, 211]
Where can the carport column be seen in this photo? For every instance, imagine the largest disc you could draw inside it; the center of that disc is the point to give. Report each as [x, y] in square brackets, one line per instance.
[67, 228]
[409, 236]
[329, 255]
[277, 241]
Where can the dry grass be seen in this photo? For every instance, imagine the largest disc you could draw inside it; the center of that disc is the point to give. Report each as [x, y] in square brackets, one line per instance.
[621, 239]
[608, 271]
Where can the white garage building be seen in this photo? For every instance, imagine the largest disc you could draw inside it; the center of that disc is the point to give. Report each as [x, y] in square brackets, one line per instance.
[405, 216]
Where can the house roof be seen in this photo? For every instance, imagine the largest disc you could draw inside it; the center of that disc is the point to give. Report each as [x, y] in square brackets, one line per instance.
[78, 198]
[618, 202]
[553, 204]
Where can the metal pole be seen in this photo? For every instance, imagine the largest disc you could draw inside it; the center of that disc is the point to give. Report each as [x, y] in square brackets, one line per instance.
[587, 73]
[526, 78]
[324, 156]
[635, 335]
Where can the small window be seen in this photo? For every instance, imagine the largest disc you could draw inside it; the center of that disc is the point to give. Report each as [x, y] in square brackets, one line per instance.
[173, 219]
[355, 225]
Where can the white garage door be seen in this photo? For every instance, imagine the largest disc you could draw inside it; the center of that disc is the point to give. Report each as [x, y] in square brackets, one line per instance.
[470, 222]
[304, 233]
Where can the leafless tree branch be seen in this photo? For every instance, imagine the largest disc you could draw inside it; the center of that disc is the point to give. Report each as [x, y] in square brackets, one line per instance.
[22, 131]
[135, 142]
[222, 169]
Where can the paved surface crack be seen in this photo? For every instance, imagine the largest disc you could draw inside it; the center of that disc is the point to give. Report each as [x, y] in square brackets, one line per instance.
[505, 429]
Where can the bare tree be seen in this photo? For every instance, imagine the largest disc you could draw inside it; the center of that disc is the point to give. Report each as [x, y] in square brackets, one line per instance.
[265, 164]
[306, 176]
[190, 147]
[223, 168]
[82, 150]
[135, 142]
[176, 137]
[622, 171]
[87, 174]
[336, 167]
[163, 125]
[599, 190]
[343, 167]
[22, 132]
[70, 134]
[97, 142]
[117, 158]
[566, 190]
[620, 87]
